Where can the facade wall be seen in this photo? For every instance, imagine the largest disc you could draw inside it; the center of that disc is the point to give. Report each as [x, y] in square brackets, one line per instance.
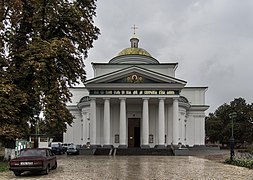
[191, 123]
[153, 123]
[196, 96]
[103, 69]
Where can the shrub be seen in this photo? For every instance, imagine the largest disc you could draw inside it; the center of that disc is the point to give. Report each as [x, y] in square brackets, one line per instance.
[4, 166]
[248, 163]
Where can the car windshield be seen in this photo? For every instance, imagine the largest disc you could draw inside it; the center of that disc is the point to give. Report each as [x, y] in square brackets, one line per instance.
[33, 152]
[71, 147]
[55, 145]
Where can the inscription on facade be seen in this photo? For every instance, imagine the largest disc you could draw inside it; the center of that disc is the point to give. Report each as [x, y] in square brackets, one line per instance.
[134, 92]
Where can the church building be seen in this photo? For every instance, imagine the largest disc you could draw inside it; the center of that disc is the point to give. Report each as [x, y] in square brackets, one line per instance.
[136, 101]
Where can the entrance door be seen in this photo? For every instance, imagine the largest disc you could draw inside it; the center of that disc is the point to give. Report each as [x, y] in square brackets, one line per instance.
[134, 132]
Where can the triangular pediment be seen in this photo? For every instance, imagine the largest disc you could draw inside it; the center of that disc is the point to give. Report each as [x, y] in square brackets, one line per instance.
[135, 75]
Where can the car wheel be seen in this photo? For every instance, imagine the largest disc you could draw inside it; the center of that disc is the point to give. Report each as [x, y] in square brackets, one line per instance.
[46, 171]
[17, 173]
[55, 165]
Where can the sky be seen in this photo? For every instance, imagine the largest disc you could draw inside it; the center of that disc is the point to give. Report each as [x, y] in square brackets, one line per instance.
[211, 40]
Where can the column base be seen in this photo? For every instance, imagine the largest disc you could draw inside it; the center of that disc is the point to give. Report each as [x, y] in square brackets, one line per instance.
[159, 147]
[122, 147]
[145, 146]
[108, 146]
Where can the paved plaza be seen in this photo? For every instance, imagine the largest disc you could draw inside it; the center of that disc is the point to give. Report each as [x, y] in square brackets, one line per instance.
[139, 167]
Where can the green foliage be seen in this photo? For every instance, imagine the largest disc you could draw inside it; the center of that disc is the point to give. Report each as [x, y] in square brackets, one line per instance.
[4, 166]
[44, 45]
[240, 162]
[219, 123]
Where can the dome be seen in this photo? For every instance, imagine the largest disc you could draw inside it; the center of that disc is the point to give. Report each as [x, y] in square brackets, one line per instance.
[135, 51]
[134, 54]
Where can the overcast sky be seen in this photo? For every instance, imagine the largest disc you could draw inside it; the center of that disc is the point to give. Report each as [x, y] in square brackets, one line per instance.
[212, 40]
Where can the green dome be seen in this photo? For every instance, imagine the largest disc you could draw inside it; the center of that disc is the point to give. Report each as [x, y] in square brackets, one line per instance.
[135, 51]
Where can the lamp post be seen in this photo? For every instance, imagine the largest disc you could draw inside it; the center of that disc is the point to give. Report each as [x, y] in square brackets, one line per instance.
[232, 140]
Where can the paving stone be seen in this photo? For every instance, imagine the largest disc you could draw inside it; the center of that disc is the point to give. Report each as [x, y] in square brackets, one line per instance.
[139, 167]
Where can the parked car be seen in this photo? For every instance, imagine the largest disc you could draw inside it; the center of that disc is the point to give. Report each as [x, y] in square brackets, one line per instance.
[72, 149]
[65, 146]
[34, 160]
[57, 148]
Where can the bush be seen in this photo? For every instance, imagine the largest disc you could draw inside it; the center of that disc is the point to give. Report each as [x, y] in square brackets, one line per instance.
[248, 163]
[4, 166]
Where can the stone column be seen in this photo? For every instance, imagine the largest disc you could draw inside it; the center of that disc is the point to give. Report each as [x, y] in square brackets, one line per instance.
[107, 124]
[84, 125]
[122, 124]
[161, 119]
[145, 124]
[175, 122]
[93, 123]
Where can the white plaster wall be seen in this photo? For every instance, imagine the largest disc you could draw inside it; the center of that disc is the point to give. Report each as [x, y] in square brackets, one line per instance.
[73, 134]
[195, 128]
[85, 135]
[196, 96]
[153, 123]
[181, 116]
[103, 69]
[100, 124]
[115, 118]
[78, 93]
[169, 119]
[190, 130]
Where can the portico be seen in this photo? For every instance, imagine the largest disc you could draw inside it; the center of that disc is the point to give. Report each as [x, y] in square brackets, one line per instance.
[159, 104]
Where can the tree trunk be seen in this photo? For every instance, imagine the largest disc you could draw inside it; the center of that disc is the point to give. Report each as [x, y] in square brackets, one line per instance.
[9, 154]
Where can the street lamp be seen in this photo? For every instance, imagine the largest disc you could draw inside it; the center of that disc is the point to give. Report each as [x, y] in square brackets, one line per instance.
[232, 140]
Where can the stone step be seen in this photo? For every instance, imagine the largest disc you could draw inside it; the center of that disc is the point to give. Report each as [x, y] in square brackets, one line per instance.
[147, 151]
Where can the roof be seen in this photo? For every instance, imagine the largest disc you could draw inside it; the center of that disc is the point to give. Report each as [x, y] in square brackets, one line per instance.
[136, 51]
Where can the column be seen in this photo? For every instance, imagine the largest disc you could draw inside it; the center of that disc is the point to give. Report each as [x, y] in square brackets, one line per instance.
[145, 124]
[175, 122]
[107, 124]
[161, 135]
[122, 124]
[83, 128]
[93, 123]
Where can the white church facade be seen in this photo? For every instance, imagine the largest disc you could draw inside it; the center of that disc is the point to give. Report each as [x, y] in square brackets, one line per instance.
[136, 101]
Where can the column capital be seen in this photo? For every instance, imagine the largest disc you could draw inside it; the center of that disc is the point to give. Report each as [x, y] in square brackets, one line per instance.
[161, 98]
[93, 98]
[106, 98]
[145, 98]
[122, 98]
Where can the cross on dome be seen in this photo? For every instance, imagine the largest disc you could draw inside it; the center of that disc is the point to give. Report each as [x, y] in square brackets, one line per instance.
[134, 28]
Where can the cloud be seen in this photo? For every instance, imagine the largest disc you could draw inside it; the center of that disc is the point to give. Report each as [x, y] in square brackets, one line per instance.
[211, 40]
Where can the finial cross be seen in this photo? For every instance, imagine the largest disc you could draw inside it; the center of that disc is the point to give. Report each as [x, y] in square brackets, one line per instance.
[134, 28]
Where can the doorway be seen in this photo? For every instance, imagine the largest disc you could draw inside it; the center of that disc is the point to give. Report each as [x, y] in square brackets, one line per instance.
[134, 132]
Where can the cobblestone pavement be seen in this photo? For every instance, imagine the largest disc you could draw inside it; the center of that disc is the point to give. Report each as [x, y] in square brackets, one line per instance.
[138, 167]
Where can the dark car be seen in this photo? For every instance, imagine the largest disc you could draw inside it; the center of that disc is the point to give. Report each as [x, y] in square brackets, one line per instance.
[57, 148]
[72, 149]
[34, 160]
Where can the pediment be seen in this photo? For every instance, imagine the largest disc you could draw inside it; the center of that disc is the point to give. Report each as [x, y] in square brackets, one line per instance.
[135, 75]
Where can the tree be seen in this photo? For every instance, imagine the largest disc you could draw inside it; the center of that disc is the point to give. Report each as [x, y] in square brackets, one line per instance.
[45, 43]
[219, 123]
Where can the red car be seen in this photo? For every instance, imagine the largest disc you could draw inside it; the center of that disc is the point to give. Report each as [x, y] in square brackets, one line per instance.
[34, 160]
